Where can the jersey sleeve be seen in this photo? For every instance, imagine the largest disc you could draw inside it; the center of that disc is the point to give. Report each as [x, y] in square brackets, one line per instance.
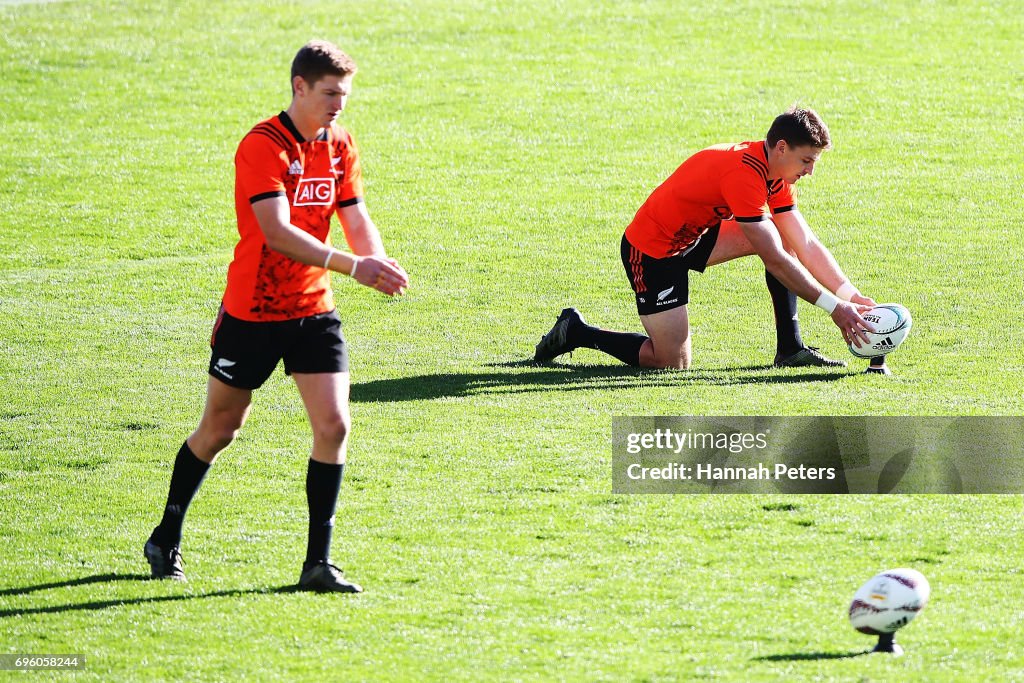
[746, 194]
[783, 200]
[260, 166]
[350, 190]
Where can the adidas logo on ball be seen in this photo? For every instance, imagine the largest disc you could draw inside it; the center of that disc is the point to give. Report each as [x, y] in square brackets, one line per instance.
[892, 325]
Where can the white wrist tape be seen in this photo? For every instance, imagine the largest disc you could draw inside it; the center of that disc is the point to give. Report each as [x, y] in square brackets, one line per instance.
[827, 301]
[327, 260]
[355, 264]
[847, 291]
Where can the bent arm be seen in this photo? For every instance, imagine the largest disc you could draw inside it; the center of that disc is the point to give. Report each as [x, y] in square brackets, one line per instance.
[370, 268]
[274, 218]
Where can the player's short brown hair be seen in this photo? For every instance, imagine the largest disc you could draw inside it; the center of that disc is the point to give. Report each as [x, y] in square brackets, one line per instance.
[317, 59]
[799, 128]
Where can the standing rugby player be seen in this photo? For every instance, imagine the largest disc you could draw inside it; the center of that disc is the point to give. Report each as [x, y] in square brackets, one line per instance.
[292, 172]
[722, 203]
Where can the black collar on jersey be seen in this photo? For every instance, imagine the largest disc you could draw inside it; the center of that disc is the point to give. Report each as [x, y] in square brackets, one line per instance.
[286, 121]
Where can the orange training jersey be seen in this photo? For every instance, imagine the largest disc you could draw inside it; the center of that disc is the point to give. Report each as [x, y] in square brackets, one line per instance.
[722, 182]
[318, 177]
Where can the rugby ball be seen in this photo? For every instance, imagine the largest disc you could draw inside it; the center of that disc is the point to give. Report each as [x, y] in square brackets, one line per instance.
[889, 601]
[892, 325]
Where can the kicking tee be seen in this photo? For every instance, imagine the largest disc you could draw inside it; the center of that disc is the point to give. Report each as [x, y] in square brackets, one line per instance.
[318, 177]
[722, 182]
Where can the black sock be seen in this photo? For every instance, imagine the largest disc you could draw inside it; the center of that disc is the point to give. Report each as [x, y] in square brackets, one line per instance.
[625, 346]
[323, 482]
[787, 327]
[189, 472]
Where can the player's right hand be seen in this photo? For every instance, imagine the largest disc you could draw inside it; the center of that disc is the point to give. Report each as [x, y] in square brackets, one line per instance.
[847, 318]
[383, 274]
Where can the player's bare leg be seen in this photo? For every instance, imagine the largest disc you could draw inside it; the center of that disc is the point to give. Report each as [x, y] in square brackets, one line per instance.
[226, 410]
[668, 343]
[325, 396]
[731, 244]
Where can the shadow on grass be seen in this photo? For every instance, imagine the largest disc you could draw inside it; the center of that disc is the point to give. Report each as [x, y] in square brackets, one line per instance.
[85, 580]
[105, 604]
[807, 656]
[520, 377]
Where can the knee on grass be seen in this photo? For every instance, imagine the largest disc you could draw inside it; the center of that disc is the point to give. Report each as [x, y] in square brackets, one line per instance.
[677, 358]
[673, 363]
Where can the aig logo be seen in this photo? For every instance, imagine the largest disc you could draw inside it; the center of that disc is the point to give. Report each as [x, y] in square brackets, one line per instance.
[314, 192]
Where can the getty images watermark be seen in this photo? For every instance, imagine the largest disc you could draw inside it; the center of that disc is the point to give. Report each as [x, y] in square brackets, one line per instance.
[818, 454]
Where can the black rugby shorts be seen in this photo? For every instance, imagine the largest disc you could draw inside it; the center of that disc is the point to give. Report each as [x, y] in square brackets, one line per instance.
[244, 354]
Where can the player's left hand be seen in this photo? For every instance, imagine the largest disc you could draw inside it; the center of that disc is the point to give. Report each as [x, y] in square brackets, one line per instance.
[863, 300]
[383, 274]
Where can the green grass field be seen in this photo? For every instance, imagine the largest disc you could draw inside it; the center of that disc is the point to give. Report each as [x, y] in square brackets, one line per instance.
[505, 147]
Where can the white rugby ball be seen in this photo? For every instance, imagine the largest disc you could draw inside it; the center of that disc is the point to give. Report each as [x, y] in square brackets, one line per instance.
[892, 325]
[889, 601]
